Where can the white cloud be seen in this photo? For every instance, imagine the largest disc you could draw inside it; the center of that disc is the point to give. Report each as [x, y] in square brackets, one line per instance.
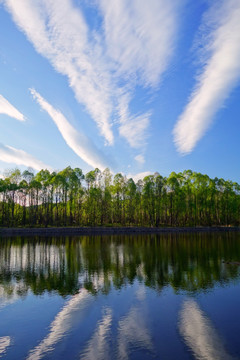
[9, 154]
[132, 47]
[199, 334]
[140, 36]
[79, 143]
[8, 109]
[140, 159]
[58, 32]
[219, 76]
[133, 129]
[139, 176]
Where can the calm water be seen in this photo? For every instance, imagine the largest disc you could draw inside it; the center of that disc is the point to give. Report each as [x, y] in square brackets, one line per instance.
[120, 297]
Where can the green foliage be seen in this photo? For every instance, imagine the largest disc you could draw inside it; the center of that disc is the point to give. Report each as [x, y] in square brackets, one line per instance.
[68, 198]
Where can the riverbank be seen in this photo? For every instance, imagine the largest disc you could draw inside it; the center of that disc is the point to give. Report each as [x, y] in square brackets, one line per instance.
[55, 231]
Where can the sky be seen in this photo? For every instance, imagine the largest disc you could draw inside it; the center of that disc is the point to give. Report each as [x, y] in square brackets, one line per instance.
[136, 86]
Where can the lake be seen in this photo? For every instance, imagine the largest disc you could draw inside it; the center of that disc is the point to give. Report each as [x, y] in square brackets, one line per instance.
[168, 296]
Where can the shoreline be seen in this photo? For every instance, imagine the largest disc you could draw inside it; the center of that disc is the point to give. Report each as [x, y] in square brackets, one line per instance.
[124, 230]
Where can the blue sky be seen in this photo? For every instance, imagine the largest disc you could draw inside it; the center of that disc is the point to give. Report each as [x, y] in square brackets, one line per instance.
[137, 86]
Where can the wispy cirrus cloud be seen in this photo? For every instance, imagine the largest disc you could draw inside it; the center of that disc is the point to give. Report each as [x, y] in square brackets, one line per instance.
[140, 37]
[219, 76]
[132, 128]
[78, 142]
[132, 47]
[59, 32]
[12, 155]
[8, 109]
[140, 159]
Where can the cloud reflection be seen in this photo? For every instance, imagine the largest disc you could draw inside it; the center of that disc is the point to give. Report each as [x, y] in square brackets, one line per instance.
[98, 347]
[4, 343]
[9, 294]
[61, 325]
[199, 334]
[133, 332]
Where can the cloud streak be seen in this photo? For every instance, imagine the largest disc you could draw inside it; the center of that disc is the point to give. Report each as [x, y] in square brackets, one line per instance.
[140, 159]
[133, 129]
[140, 37]
[8, 109]
[10, 154]
[78, 142]
[132, 47]
[59, 33]
[218, 78]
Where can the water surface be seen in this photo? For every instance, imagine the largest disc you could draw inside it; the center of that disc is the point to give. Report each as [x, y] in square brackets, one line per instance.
[120, 297]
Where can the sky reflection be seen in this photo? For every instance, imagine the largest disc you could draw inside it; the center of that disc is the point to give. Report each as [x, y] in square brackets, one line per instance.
[131, 289]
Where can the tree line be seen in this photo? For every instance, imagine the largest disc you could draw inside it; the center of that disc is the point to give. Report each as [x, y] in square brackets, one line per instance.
[98, 198]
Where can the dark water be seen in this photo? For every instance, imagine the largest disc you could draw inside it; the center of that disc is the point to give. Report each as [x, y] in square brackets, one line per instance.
[120, 297]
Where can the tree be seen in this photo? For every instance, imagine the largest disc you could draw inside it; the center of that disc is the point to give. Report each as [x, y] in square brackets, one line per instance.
[62, 198]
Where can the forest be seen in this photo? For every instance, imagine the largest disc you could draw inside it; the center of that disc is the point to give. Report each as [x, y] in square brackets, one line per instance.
[99, 198]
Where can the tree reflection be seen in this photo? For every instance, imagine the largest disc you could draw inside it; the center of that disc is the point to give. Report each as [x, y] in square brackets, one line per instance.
[186, 262]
